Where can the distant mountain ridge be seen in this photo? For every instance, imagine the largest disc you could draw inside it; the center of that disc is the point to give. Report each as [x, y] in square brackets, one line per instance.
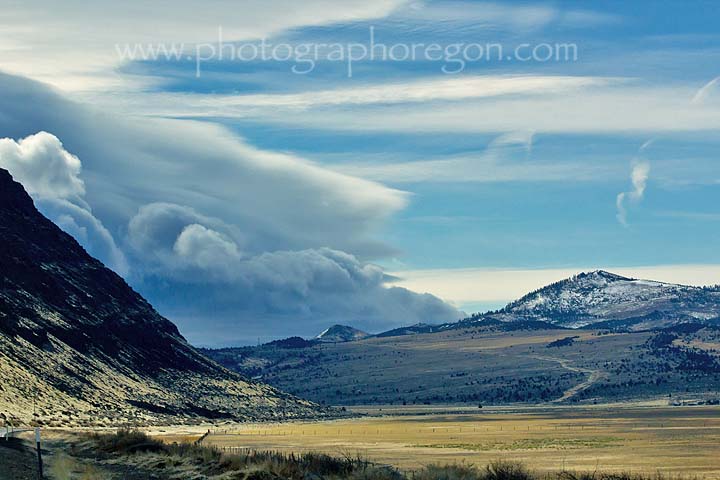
[79, 346]
[597, 299]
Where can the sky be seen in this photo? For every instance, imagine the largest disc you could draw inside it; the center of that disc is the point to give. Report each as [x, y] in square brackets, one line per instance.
[262, 169]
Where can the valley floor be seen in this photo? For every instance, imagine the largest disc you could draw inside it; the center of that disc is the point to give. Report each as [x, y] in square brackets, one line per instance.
[609, 438]
[634, 438]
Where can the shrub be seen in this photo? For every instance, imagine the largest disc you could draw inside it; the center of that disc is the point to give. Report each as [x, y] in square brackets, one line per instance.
[448, 472]
[127, 441]
[504, 470]
[499, 470]
[62, 467]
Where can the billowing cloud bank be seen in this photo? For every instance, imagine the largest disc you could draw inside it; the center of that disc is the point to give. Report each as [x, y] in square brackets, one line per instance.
[222, 236]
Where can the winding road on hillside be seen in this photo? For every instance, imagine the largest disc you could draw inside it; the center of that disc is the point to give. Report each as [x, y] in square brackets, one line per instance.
[593, 376]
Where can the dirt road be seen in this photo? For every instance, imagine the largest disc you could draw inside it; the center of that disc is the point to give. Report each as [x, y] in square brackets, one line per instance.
[592, 377]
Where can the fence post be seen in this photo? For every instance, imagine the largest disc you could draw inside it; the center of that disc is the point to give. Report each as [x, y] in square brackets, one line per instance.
[39, 453]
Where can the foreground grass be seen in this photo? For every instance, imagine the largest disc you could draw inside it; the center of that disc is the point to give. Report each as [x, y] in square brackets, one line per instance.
[640, 439]
[193, 461]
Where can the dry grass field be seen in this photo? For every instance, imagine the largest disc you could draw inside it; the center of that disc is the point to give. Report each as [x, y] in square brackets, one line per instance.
[669, 440]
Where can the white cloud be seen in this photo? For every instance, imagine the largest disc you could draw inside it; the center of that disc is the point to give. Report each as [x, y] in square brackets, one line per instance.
[299, 291]
[630, 107]
[43, 166]
[51, 175]
[205, 248]
[704, 93]
[178, 242]
[641, 167]
[428, 90]
[638, 176]
[621, 210]
[464, 104]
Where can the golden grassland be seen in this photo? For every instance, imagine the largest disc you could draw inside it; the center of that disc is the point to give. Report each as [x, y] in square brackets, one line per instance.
[610, 438]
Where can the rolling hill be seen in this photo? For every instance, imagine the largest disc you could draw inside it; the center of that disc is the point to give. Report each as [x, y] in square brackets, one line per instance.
[594, 337]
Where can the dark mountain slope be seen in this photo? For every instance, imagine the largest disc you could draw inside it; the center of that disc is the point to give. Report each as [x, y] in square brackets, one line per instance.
[78, 345]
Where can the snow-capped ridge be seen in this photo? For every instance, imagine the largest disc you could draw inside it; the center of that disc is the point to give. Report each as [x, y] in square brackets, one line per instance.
[602, 297]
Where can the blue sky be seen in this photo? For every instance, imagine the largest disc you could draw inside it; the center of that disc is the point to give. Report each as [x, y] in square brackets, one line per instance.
[249, 201]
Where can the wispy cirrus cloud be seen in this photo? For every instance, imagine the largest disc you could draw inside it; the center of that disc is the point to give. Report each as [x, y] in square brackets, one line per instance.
[432, 89]
[706, 90]
[596, 109]
[639, 174]
[640, 171]
[467, 104]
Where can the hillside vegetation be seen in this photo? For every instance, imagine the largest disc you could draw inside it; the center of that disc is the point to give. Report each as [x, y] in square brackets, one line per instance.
[491, 365]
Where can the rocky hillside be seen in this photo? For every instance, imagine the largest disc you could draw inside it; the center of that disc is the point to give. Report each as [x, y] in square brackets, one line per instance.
[79, 346]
